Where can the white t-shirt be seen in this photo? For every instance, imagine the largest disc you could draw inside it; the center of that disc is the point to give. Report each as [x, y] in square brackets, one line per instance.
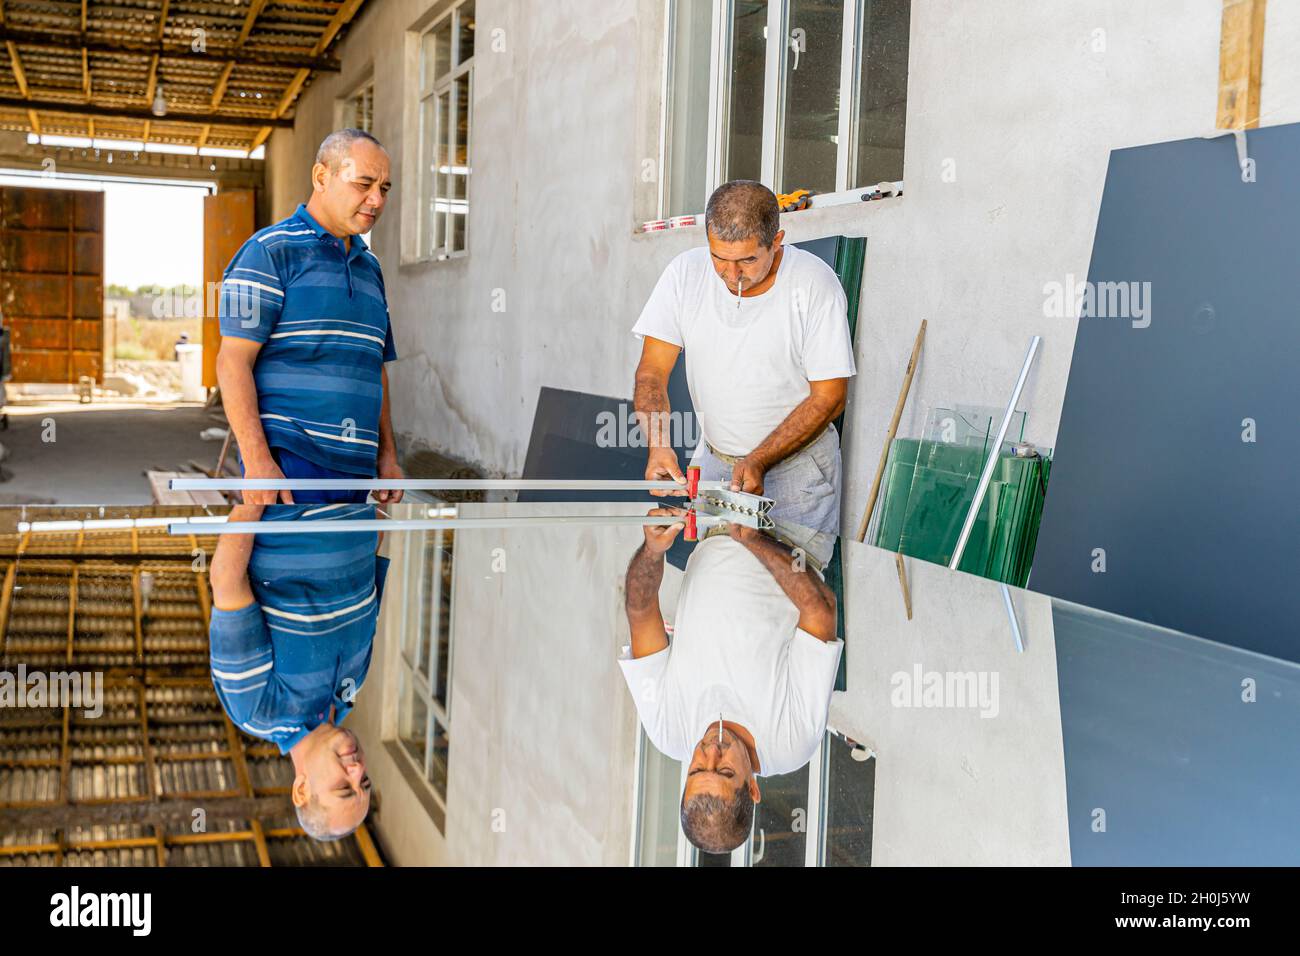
[736, 650]
[749, 365]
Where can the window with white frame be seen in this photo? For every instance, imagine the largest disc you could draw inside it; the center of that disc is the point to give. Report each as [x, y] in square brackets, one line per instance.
[798, 94]
[820, 815]
[446, 91]
[424, 682]
[357, 110]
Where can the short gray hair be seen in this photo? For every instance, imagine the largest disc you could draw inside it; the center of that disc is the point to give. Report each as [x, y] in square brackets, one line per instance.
[743, 209]
[312, 819]
[715, 825]
[335, 147]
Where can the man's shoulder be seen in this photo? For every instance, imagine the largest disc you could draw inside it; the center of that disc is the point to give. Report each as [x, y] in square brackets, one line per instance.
[691, 262]
[289, 224]
[809, 268]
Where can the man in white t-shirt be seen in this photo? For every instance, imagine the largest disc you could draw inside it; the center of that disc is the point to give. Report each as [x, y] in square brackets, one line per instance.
[744, 688]
[768, 359]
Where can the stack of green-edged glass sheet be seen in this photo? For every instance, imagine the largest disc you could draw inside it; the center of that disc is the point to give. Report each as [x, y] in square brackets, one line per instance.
[928, 488]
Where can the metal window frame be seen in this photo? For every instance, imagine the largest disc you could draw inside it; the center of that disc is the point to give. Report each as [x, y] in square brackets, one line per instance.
[411, 681]
[347, 103]
[850, 95]
[719, 93]
[443, 83]
[774, 88]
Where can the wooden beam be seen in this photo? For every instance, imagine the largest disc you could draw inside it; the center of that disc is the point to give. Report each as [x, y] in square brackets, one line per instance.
[152, 82]
[162, 19]
[260, 138]
[7, 600]
[1241, 61]
[220, 90]
[203, 135]
[169, 49]
[254, 11]
[290, 93]
[84, 3]
[85, 73]
[35, 121]
[138, 113]
[52, 815]
[250, 18]
[19, 75]
[337, 23]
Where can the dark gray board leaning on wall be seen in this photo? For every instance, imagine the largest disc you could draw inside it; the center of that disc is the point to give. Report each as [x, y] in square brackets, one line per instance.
[1200, 529]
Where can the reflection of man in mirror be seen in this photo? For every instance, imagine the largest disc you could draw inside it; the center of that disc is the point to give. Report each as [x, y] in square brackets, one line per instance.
[768, 359]
[744, 688]
[293, 623]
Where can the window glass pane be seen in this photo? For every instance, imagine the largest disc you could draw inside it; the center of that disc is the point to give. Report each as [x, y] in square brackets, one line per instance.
[812, 96]
[368, 109]
[850, 800]
[781, 821]
[882, 92]
[661, 786]
[438, 762]
[437, 211]
[458, 171]
[748, 73]
[466, 31]
[441, 614]
[429, 238]
[413, 720]
[429, 607]
[435, 54]
[688, 119]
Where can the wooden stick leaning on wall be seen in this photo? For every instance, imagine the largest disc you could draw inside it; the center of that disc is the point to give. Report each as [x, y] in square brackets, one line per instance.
[893, 428]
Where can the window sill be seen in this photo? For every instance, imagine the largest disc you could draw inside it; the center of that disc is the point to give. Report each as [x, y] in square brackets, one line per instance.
[414, 263]
[826, 208]
[423, 790]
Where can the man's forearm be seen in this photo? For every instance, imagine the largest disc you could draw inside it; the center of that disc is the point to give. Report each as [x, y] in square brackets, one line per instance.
[239, 397]
[804, 423]
[805, 589]
[229, 570]
[650, 401]
[387, 445]
[645, 572]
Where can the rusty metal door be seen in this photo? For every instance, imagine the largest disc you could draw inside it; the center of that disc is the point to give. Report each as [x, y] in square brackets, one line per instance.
[52, 282]
[228, 219]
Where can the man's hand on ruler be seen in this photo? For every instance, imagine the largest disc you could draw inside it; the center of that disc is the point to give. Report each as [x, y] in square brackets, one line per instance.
[659, 538]
[265, 468]
[388, 468]
[662, 466]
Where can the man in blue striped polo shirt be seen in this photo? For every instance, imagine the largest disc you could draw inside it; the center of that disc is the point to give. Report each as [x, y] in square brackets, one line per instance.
[305, 333]
[293, 625]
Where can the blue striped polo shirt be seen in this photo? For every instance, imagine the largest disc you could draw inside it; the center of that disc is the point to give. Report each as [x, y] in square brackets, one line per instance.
[303, 645]
[321, 314]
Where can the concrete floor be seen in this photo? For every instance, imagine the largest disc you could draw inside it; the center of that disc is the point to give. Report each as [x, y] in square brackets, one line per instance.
[100, 452]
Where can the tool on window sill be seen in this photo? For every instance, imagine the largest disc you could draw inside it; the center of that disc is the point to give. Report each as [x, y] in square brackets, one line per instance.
[796, 200]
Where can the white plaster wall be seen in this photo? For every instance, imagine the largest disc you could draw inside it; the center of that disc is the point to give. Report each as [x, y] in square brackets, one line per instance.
[543, 732]
[954, 788]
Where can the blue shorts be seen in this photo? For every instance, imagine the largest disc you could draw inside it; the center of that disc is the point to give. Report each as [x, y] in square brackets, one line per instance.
[295, 466]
